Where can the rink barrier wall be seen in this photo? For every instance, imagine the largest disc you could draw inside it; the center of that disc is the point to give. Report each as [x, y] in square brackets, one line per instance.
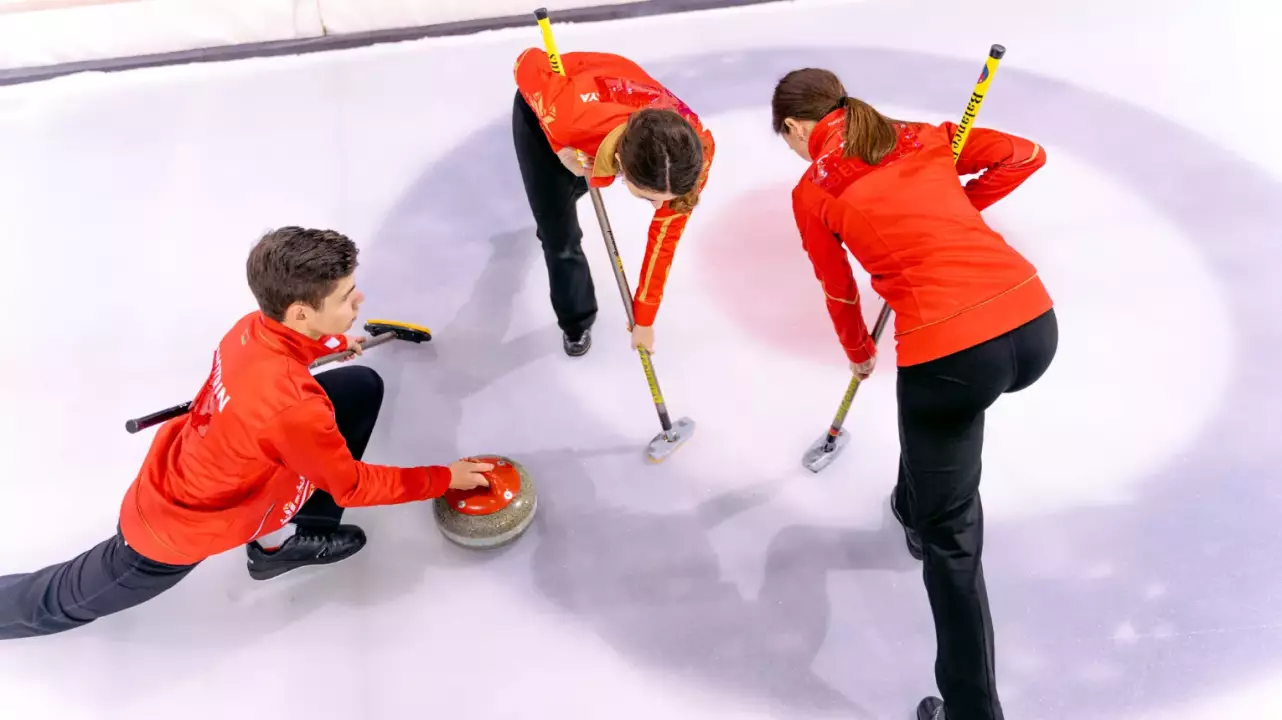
[43, 39]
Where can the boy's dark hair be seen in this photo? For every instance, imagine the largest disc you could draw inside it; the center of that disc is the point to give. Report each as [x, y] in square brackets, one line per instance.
[661, 151]
[294, 264]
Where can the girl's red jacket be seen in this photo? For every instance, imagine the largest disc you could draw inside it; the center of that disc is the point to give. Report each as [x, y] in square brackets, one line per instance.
[261, 437]
[587, 111]
[951, 280]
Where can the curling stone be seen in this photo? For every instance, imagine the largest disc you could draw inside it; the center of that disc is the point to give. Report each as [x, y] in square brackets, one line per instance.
[489, 517]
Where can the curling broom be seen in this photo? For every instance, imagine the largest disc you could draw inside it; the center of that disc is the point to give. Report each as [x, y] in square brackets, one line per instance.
[673, 434]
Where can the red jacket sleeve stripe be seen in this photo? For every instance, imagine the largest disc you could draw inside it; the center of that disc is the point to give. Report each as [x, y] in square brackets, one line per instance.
[832, 269]
[666, 230]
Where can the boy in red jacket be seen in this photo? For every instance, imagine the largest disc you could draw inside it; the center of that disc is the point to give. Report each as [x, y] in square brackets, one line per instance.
[267, 448]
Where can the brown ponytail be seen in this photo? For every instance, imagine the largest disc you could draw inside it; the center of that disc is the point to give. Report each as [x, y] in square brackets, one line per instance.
[869, 134]
[686, 203]
[811, 94]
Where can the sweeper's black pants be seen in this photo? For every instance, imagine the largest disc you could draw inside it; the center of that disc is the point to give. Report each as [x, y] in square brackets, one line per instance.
[941, 436]
[553, 193]
[112, 577]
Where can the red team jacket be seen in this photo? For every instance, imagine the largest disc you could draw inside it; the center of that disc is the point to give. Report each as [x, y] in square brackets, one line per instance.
[260, 438]
[952, 281]
[587, 111]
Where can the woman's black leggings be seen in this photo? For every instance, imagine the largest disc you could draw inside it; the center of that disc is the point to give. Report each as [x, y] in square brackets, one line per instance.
[553, 193]
[941, 439]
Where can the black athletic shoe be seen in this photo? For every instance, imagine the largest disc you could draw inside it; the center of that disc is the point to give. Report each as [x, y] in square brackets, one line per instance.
[579, 346]
[304, 547]
[932, 708]
[914, 540]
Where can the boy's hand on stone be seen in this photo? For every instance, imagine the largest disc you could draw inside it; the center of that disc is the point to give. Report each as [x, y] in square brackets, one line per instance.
[465, 474]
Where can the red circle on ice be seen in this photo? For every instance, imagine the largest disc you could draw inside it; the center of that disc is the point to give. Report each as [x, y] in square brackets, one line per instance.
[758, 273]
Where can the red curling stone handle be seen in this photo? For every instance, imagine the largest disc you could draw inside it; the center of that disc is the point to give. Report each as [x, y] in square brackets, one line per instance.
[505, 484]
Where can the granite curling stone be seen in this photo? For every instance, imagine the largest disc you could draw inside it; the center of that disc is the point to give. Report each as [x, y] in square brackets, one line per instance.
[489, 517]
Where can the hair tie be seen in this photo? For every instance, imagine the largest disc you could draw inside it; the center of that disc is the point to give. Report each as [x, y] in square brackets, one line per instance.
[841, 102]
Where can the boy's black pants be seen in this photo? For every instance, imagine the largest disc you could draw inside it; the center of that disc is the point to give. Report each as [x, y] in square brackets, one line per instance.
[941, 436]
[111, 577]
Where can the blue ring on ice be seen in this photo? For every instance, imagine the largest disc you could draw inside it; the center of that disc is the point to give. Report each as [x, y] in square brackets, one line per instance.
[1222, 201]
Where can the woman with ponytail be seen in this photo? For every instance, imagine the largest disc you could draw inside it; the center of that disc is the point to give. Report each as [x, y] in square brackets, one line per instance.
[624, 123]
[972, 321]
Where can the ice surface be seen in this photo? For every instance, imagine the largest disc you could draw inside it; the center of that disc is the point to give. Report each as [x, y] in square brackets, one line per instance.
[1130, 496]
